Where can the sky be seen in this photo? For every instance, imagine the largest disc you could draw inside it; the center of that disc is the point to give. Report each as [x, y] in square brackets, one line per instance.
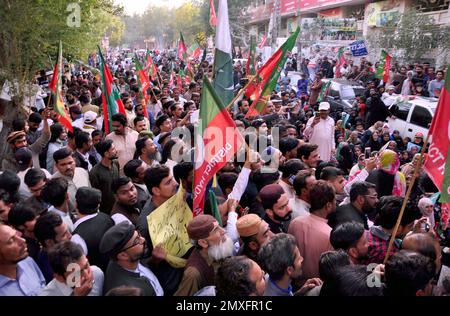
[139, 6]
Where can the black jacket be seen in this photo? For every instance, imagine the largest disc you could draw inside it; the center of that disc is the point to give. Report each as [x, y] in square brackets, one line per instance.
[116, 276]
[347, 213]
[80, 162]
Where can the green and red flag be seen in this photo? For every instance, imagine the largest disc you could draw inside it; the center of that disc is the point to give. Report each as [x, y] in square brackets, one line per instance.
[182, 50]
[55, 86]
[250, 67]
[267, 76]
[324, 91]
[340, 62]
[382, 71]
[144, 84]
[112, 103]
[150, 66]
[194, 51]
[435, 162]
[263, 41]
[216, 141]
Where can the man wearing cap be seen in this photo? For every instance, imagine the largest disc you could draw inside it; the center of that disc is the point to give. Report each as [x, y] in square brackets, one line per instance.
[254, 233]
[125, 247]
[417, 142]
[276, 204]
[390, 91]
[211, 245]
[90, 122]
[18, 140]
[320, 131]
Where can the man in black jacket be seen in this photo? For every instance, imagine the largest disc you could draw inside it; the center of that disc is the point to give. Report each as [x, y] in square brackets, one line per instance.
[91, 225]
[363, 199]
[125, 246]
[83, 159]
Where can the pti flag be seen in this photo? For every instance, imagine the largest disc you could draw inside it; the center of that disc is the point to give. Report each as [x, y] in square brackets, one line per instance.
[55, 86]
[267, 76]
[182, 50]
[382, 71]
[440, 141]
[112, 104]
[216, 141]
[324, 91]
[143, 83]
[340, 62]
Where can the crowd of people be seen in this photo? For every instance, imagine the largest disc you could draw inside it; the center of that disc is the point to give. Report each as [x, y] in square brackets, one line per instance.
[311, 213]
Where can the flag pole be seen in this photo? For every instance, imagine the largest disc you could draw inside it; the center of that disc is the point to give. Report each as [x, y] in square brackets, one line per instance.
[405, 200]
[241, 91]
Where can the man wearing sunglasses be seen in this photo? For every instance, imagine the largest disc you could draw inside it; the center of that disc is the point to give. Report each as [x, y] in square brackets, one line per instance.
[126, 247]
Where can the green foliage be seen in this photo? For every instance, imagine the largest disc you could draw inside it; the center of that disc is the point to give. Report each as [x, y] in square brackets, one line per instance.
[192, 18]
[413, 35]
[31, 30]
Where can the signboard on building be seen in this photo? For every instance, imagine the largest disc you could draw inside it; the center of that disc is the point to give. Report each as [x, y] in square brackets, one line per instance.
[381, 13]
[326, 29]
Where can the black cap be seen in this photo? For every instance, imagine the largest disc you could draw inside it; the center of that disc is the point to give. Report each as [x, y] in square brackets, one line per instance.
[23, 156]
[115, 238]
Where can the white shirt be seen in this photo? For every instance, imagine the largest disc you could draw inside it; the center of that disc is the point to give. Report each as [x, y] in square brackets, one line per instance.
[322, 135]
[65, 217]
[80, 179]
[299, 207]
[56, 288]
[147, 273]
[24, 191]
[240, 185]
[77, 238]
[86, 158]
[119, 218]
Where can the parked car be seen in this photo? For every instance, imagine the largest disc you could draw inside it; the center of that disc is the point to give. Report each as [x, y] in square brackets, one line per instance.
[413, 114]
[343, 93]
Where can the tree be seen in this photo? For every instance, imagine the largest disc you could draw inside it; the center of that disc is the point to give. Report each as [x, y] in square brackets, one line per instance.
[412, 36]
[29, 37]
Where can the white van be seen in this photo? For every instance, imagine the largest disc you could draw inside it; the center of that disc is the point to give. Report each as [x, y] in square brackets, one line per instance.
[413, 114]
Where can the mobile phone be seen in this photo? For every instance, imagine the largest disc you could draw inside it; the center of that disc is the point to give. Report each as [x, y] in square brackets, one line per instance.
[367, 153]
[317, 114]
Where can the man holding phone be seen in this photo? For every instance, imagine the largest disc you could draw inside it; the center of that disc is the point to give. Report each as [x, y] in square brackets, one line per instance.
[320, 131]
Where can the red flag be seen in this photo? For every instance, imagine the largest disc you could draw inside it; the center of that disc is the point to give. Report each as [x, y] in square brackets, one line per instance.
[179, 82]
[440, 132]
[171, 80]
[216, 141]
[212, 14]
[263, 41]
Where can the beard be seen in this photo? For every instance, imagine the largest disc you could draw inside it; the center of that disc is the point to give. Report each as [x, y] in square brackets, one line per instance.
[224, 250]
[155, 156]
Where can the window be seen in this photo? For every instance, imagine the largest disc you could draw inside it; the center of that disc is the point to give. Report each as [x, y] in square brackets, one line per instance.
[401, 110]
[334, 93]
[421, 117]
